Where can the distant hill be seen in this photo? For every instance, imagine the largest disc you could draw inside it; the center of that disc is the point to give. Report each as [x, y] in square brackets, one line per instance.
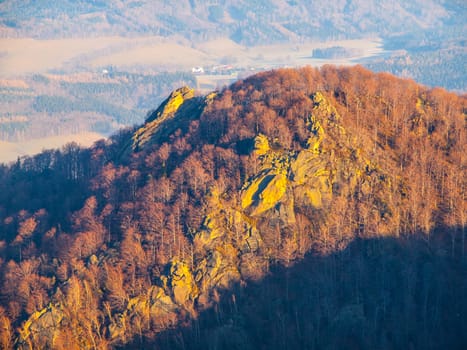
[247, 22]
[298, 208]
[428, 35]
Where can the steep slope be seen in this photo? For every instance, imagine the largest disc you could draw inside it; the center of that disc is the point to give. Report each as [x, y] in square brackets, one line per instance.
[179, 108]
[211, 192]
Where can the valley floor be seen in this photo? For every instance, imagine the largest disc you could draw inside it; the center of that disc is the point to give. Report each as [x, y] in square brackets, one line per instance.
[10, 151]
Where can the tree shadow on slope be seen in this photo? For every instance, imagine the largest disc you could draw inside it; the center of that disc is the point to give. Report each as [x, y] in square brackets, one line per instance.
[383, 293]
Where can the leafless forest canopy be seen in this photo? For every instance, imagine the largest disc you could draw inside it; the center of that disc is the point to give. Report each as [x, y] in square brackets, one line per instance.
[163, 247]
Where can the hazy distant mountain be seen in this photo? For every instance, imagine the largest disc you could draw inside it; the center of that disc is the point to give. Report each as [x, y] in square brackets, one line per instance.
[247, 22]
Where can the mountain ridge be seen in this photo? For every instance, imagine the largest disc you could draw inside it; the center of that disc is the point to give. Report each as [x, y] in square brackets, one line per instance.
[280, 165]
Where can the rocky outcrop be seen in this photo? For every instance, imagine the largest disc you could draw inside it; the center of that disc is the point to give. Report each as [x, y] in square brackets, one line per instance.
[160, 117]
[305, 173]
[181, 283]
[41, 327]
[155, 307]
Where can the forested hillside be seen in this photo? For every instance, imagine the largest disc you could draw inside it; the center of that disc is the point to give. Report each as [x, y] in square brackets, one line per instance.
[298, 208]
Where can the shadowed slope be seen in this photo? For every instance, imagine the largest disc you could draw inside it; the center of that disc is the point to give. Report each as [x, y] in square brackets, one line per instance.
[380, 293]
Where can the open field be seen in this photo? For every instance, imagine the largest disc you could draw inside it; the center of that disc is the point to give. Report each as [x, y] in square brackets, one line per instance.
[71, 55]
